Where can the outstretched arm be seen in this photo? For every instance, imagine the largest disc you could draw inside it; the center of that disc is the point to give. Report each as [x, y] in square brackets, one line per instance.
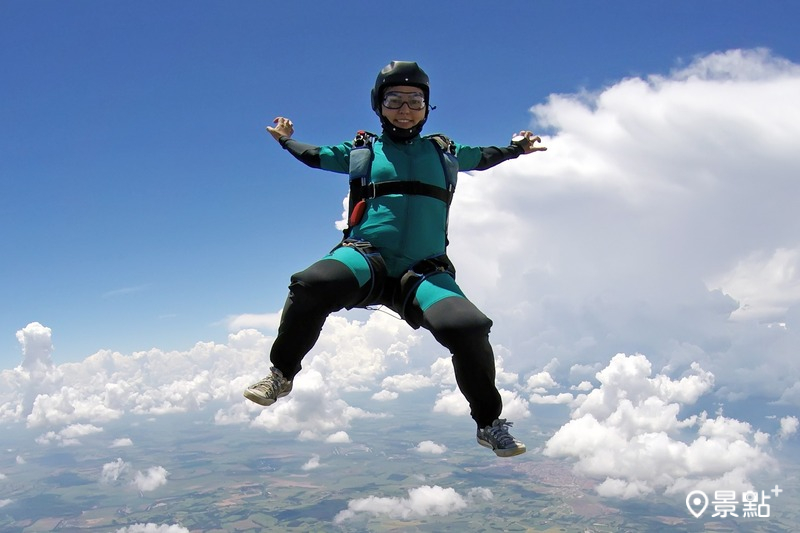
[523, 142]
[283, 131]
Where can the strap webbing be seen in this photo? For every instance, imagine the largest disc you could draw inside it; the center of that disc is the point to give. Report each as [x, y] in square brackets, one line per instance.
[408, 187]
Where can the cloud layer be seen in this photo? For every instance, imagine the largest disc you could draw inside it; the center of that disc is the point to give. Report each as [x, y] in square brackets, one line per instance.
[421, 502]
[629, 431]
[661, 221]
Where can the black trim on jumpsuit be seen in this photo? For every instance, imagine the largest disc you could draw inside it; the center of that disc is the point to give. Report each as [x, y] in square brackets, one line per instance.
[456, 323]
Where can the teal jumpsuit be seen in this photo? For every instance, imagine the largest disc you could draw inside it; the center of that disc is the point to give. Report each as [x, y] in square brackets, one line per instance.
[405, 229]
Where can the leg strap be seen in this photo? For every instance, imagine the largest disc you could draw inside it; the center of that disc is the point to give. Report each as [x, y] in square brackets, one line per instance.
[411, 280]
[377, 268]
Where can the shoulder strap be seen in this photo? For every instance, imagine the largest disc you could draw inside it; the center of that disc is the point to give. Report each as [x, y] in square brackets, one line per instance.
[447, 153]
[360, 166]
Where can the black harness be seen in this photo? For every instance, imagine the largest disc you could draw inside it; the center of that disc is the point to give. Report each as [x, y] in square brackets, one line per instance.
[362, 188]
[395, 293]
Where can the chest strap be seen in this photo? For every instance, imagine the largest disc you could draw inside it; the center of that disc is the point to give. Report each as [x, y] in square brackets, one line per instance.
[373, 190]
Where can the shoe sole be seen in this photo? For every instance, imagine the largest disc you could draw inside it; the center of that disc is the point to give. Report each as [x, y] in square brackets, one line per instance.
[510, 452]
[261, 400]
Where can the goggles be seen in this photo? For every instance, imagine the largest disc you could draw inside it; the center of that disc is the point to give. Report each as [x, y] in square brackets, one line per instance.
[395, 100]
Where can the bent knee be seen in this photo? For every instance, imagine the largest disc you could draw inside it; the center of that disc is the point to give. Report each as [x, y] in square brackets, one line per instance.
[326, 283]
[456, 319]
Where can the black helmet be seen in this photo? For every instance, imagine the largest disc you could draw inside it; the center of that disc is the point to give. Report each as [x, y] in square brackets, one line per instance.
[400, 73]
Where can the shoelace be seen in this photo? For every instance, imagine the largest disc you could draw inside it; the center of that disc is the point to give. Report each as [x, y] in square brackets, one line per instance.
[267, 384]
[500, 432]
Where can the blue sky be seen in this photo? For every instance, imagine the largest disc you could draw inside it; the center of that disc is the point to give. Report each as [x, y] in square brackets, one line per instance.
[143, 203]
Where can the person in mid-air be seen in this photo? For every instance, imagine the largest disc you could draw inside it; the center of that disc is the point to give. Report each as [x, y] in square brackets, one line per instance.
[393, 253]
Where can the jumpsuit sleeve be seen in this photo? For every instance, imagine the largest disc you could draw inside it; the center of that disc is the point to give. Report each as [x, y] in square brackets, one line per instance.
[483, 157]
[489, 156]
[335, 158]
[306, 153]
[493, 155]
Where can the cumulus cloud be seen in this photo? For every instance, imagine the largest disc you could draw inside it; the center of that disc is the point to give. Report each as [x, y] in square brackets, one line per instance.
[789, 426]
[111, 472]
[650, 224]
[340, 437]
[561, 398]
[421, 502]
[311, 464]
[541, 382]
[428, 446]
[355, 354]
[151, 479]
[37, 347]
[385, 396]
[451, 402]
[406, 382]
[107, 385]
[121, 472]
[121, 443]
[311, 409]
[628, 432]
[68, 436]
[153, 528]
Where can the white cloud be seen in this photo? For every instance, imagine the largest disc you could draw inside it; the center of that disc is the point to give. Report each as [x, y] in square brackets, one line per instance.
[37, 347]
[628, 433]
[791, 396]
[540, 382]
[112, 472]
[311, 464]
[583, 386]
[649, 224]
[451, 402]
[552, 399]
[106, 385]
[153, 528]
[312, 407]
[68, 436]
[5, 502]
[353, 354]
[789, 426]
[428, 446]
[406, 382]
[265, 321]
[385, 396]
[764, 283]
[121, 443]
[340, 437]
[151, 479]
[421, 502]
[515, 407]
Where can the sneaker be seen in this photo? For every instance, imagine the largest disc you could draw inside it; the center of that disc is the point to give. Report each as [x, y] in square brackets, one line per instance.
[499, 439]
[268, 390]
